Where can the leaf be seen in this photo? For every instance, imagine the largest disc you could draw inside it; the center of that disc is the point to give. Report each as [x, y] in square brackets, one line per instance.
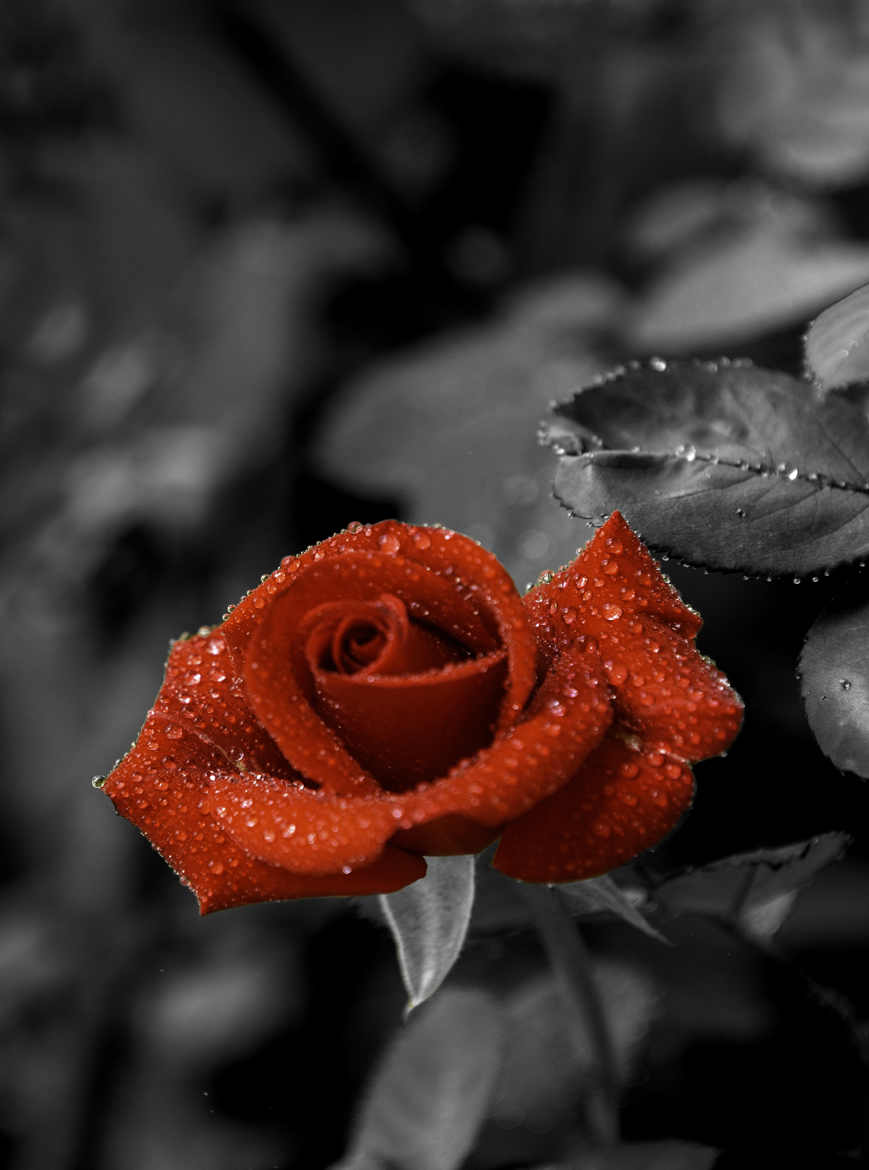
[800, 101]
[544, 1070]
[749, 283]
[429, 1096]
[757, 888]
[602, 895]
[727, 465]
[429, 920]
[834, 666]
[448, 427]
[837, 342]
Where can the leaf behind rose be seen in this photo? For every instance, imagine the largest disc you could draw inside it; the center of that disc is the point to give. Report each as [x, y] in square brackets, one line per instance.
[601, 895]
[429, 921]
[757, 888]
[726, 466]
[835, 683]
[430, 1094]
[837, 342]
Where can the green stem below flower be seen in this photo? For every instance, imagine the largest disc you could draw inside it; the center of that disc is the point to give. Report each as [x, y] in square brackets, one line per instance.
[571, 964]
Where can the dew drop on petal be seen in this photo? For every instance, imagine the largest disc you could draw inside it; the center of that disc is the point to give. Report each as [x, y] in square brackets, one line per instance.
[611, 611]
[390, 543]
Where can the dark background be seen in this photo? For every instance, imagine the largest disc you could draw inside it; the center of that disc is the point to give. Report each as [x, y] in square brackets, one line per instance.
[267, 268]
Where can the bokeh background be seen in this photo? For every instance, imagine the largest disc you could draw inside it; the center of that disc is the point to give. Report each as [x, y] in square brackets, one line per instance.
[270, 267]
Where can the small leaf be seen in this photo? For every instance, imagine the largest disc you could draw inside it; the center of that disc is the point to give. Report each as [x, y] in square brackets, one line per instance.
[835, 680]
[725, 466]
[429, 1096]
[837, 342]
[757, 888]
[429, 920]
[602, 895]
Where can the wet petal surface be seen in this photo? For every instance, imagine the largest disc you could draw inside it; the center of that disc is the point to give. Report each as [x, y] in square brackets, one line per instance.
[625, 799]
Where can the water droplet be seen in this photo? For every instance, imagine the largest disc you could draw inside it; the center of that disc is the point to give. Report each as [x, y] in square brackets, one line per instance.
[354, 526]
[568, 616]
[793, 474]
[98, 781]
[216, 867]
[215, 646]
[390, 543]
[845, 684]
[610, 611]
[611, 568]
[617, 672]
[630, 770]
[740, 512]
[422, 540]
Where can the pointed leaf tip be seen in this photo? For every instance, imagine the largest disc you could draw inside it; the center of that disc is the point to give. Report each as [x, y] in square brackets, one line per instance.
[429, 921]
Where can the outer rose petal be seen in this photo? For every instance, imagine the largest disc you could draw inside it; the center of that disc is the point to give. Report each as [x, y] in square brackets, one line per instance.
[202, 692]
[473, 572]
[162, 785]
[621, 802]
[667, 691]
[305, 831]
[614, 576]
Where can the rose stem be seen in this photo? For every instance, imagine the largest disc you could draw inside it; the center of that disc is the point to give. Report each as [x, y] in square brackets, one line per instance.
[569, 958]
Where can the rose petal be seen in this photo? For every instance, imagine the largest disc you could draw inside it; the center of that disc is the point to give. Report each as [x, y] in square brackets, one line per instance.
[161, 786]
[203, 693]
[566, 720]
[621, 802]
[667, 691]
[278, 680]
[305, 831]
[475, 574]
[613, 576]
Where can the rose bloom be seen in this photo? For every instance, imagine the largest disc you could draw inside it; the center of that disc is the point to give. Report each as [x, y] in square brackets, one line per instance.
[388, 694]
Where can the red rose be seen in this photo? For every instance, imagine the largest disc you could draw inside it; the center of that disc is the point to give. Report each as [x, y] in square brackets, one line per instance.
[388, 694]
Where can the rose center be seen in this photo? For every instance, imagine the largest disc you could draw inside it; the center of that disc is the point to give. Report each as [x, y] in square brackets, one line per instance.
[408, 700]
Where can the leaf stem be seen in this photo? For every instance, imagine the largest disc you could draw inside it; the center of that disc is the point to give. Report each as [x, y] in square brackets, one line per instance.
[571, 964]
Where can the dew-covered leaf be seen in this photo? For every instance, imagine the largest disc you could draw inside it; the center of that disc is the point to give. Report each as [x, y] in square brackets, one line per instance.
[756, 888]
[430, 1094]
[835, 682]
[601, 895]
[837, 342]
[429, 920]
[726, 466]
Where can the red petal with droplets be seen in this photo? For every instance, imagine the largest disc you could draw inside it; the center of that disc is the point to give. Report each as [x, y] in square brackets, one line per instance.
[202, 692]
[298, 828]
[566, 720]
[613, 576]
[278, 677]
[162, 785]
[667, 691]
[476, 577]
[621, 802]
[412, 728]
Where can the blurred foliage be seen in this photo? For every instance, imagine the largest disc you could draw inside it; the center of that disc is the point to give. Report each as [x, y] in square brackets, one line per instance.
[266, 268]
